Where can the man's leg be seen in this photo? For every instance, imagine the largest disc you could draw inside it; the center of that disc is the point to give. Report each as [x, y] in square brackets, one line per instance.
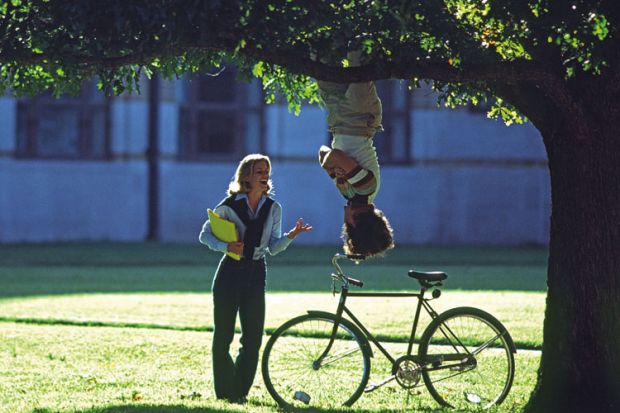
[252, 317]
[225, 308]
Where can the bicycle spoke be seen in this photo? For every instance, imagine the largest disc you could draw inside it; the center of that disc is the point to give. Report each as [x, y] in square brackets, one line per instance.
[486, 345]
[332, 358]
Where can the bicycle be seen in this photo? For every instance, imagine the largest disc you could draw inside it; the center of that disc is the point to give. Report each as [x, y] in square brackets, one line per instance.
[465, 355]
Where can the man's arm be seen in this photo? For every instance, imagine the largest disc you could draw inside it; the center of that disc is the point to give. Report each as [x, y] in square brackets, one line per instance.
[340, 165]
[336, 159]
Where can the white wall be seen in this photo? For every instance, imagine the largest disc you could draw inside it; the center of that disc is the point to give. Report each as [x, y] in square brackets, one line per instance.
[461, 134]
[62, 201]
[295, 136]
[472, 181]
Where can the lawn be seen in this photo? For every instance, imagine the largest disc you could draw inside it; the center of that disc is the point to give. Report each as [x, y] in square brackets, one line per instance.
[127, 327]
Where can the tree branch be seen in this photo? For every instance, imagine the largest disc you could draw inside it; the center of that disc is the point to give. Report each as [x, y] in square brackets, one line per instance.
[530, 100]
[376, 69]
[409, 69]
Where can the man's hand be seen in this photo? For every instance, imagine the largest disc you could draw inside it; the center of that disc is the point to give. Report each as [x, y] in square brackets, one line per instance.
[299, 228]
[235, 247]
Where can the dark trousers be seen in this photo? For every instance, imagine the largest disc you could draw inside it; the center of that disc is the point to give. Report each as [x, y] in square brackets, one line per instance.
[238, 287]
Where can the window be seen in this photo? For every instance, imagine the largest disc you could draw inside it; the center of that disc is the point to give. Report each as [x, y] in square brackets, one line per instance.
[66, 127]
[393, 145]
[220, 118]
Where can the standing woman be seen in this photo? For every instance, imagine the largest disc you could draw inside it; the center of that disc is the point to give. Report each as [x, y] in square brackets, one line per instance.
[239, 286]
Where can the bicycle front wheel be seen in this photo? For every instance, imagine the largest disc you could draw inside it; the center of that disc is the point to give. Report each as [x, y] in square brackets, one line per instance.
[303, 366]
[467, 358]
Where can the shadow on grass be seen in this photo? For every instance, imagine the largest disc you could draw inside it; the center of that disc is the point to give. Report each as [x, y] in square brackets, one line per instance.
[149, 409]
[231, 408]
[86, 268]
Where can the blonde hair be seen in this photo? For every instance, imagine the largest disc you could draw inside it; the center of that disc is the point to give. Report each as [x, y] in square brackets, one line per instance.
[245, 169]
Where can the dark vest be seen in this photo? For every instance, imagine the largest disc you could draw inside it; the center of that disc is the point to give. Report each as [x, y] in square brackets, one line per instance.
[253, 227]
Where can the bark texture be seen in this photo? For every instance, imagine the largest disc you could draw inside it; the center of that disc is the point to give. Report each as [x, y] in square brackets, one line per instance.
[580, 367]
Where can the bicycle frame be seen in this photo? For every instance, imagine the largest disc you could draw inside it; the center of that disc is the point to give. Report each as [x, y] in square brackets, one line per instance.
[422, 303]
[342, 309]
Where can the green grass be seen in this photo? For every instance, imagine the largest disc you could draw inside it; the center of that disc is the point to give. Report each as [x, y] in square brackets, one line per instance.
[151, 305]
[521, 312]
[76, 369]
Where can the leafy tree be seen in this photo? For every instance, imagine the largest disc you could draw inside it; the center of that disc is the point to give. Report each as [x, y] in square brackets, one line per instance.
[555, 62]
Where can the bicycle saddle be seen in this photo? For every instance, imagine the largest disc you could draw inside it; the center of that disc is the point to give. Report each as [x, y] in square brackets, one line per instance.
[432, 276]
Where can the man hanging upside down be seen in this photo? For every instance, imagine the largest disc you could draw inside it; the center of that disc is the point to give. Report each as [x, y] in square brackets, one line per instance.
[354, 116]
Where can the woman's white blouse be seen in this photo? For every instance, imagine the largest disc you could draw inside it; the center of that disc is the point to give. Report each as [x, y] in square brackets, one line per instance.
[271, 241]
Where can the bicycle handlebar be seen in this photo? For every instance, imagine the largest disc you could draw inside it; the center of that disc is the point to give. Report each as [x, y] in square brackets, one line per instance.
[340, 274]
[357, 283]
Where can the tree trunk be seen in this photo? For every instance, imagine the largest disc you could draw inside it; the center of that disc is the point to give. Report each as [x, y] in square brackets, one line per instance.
[580, 366]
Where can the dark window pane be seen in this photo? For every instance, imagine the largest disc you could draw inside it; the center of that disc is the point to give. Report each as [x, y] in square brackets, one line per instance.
[252, 132]
[424, 97]
[216, 133]
[392, 144]
[254, 94]
[399, 139]
[220, 88]
[481, 108]
[22, 130]
[185, 129]
[382, 139]
[400, 94]
[93, 93]
[98, 133]
[58, 132]
[382, 145]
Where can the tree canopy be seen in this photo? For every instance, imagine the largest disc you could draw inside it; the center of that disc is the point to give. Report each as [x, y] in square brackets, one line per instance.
[471, 49]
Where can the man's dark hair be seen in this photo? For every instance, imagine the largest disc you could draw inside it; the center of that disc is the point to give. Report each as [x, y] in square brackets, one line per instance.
[371, 234]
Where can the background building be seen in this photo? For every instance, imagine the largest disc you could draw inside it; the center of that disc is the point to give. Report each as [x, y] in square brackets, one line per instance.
[76, 168]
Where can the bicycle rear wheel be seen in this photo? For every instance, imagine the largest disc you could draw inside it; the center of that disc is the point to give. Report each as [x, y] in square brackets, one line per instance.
[296, 375]
[467, 358]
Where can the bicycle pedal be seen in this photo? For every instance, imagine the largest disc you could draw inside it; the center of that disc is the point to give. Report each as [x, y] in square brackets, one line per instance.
[371, 388]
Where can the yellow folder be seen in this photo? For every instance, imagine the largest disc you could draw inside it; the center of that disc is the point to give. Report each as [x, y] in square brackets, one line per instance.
[224, 230]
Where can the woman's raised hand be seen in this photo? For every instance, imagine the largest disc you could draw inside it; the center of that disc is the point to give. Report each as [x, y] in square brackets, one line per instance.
[300, 227]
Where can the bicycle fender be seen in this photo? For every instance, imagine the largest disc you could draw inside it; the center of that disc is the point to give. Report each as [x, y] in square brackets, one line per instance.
[348, 324]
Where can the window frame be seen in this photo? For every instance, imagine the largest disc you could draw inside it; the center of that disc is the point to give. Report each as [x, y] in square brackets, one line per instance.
[241, 108]
[33, 107]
